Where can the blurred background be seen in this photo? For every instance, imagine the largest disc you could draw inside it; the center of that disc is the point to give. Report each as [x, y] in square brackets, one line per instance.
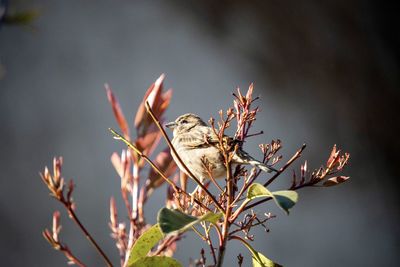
[327, 73]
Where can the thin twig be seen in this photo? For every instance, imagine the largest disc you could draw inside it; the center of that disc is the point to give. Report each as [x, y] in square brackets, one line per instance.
[246, 184]
[212, 178]
[243, 228]
[176, 188]
[290, 161]
[87, 234]
[166, 243]
[210, 244]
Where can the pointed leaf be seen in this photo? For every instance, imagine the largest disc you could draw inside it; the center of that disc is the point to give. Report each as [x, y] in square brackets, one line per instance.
[175, 220]
[159, 261]
[145, 243]
[118, 114]
[285, 199]
[258, 190]
[335, 180]
[210, 217]
[166, 164]
[259, 260]
[116, 162]
[158, 102]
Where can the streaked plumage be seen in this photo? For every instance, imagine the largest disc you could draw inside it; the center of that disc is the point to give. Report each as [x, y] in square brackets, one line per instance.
[194, 139]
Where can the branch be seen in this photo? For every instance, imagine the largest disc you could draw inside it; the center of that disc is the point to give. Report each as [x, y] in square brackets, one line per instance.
[290, 161]
[176, 188]
[56, 186]
[87, 234]
[157, 122]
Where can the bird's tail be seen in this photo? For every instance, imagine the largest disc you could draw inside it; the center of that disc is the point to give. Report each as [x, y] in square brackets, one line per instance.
[242, 157]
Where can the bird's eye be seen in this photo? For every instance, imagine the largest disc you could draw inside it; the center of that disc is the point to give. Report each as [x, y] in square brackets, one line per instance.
[184, 121]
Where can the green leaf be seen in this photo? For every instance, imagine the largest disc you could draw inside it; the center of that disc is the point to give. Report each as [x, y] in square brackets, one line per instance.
[259, 260]
[285, 199]
[257, 190]
[159, 261]
[210, 217]
[144, 243]
[175, 220]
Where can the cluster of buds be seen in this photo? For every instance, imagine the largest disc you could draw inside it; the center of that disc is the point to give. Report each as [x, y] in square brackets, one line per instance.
[56, 183]
[53, 238]
[245, 115]
[335, 163]
[251, 220]
[118, 231]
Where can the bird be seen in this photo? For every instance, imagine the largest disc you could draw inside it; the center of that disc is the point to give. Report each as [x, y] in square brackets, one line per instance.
[195, 141]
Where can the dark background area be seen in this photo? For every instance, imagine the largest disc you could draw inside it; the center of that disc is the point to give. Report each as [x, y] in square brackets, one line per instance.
[326, 73]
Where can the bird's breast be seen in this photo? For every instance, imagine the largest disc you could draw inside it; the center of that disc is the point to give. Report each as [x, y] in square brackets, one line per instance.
[196, 159]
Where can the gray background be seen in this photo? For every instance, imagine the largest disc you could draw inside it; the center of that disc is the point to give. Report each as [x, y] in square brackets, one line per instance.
[326, 73]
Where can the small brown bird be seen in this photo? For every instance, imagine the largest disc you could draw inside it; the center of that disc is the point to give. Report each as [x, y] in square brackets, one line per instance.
[194, 140]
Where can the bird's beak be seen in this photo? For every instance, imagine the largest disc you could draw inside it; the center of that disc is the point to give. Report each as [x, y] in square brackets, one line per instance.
[171, 125]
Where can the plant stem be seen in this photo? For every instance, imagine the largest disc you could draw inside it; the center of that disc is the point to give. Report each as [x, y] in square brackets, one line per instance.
[290, 161]
[228, 210]
[135, 191]
[134, 212]
[87, 234]
[221, 253]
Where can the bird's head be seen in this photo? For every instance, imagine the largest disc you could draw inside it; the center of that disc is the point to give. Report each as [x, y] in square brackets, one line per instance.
[185, 123]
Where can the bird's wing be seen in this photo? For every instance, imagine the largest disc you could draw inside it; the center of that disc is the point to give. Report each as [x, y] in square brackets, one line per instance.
[201, 136]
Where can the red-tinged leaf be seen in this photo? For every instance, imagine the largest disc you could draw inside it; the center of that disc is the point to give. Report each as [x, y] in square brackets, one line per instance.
[117, 163]
[333, 157]
[149, 142]
[126, 159]
[140, 114]
[113, 213]
[166, 99]
[119, 115]
[240, 94]
[47, 235]
[122, 166]
[250, 93]
[154, 97]
[149, 150]
[71, 187]
[335, 180]
[236, 105]
[56, 225]
[171, 200]
[167, 166]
